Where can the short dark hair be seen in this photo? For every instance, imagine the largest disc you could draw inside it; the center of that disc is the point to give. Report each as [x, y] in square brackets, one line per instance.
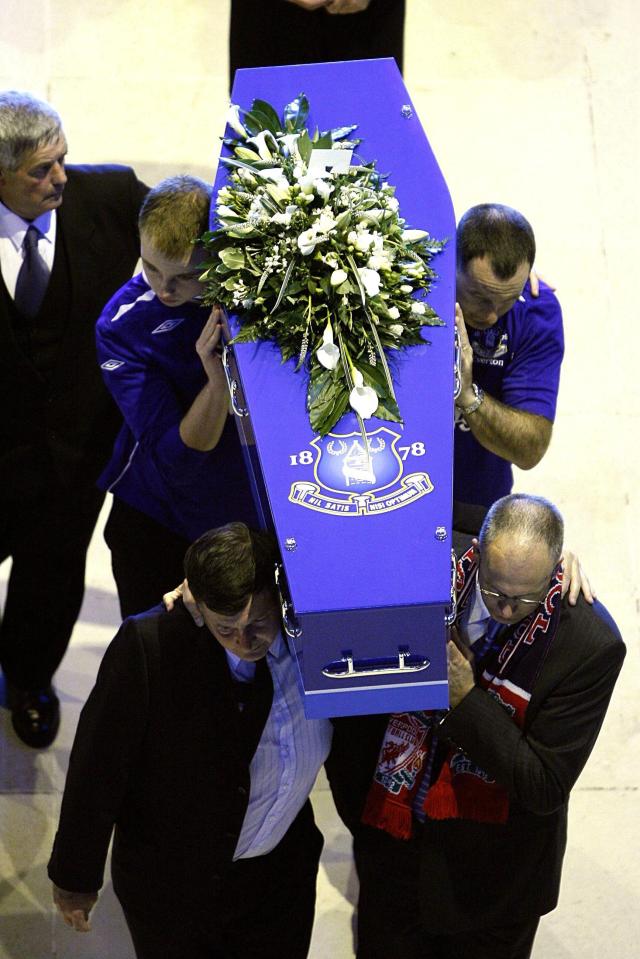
[227, 565]
[174, 215]
[496, 231]
[525, 517]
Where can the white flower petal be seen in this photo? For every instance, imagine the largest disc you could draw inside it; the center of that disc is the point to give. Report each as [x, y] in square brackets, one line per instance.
[417, 307]
[307, 242]
[328, 355]
[338, 277]
[394, 312]
[412, 236]
[234, 121]
[370, 280]
[261, 146]
[364, 401]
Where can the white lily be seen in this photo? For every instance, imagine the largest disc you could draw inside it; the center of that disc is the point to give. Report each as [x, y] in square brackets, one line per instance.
[412, 236]
[261, 145]
[362, 398]
[233, 120]
[307, 241]
[370, 280]
[290, 141]
[338, 277]
[328, 354]
[223, 210]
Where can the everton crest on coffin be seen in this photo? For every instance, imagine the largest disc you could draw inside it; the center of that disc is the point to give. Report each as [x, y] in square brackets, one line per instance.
[323, 257]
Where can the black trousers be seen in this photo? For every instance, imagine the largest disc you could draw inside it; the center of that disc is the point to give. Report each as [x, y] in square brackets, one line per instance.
[264, 910]
[390, 923]
[46, 532]
[146, 558]
[265, 33]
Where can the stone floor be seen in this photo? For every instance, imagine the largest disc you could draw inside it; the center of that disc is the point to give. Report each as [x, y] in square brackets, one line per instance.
[528, 104]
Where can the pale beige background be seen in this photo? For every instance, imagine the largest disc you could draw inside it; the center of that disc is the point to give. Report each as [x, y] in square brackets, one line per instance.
[532, 104]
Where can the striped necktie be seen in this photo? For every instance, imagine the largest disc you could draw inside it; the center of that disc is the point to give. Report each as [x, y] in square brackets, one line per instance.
[33, 277]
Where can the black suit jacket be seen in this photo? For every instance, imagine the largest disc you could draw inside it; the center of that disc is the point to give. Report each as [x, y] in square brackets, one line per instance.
[71, 413]
[474, 874]
[160, 753]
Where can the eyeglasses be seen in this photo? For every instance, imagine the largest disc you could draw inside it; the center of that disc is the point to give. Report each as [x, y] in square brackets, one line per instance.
[512, 600]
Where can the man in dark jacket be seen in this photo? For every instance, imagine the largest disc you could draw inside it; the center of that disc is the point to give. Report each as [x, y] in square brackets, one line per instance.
[68, 240]
[460, 818]
[194, 745]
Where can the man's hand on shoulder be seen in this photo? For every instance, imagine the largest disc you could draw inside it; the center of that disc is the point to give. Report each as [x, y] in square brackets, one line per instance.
[575, 579]
[182, 591]
[534, 283]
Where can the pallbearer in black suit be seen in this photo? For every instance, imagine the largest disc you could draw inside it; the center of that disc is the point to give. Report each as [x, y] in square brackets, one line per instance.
[194, 745]
[460, 818]
[68, 240]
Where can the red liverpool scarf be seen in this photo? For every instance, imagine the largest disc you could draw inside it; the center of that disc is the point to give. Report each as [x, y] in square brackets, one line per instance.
[508, 671]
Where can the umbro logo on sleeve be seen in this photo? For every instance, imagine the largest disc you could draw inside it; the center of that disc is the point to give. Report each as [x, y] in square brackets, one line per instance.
[109, 365]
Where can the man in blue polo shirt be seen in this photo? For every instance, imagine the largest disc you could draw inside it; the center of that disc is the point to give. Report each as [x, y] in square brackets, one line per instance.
[512, 348]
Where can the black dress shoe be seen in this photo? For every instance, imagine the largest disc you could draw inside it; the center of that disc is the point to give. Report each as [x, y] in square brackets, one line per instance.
[35, 714]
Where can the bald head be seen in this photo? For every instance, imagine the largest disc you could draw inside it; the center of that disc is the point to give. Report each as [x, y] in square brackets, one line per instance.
[525, 522]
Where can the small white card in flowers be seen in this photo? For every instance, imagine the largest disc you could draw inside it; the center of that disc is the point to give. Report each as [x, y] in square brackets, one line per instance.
[335, 161]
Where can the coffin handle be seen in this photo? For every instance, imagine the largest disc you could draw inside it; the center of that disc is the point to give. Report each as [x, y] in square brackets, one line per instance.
[452, 612]
[232, 384]
[348, 667]
[457, 365]
[289, 623]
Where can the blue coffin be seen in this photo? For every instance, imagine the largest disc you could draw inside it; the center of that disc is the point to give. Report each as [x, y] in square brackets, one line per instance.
[367, 559]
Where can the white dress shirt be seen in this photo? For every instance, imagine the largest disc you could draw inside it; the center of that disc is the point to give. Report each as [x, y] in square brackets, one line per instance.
[290, 753]
[12, 233]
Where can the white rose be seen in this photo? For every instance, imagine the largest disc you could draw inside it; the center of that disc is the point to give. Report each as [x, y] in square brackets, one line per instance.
[405, 288]
[396, 329]
[394, 312]
[417, 307]
[378, 261]
[364, 240]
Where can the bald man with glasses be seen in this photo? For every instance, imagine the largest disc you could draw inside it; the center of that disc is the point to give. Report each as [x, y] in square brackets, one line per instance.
[464, 812]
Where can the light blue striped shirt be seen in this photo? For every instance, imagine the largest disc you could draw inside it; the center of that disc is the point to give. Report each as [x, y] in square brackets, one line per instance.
[286, 762]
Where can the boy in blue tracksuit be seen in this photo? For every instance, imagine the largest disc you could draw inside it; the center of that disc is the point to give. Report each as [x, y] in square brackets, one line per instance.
[177, 468]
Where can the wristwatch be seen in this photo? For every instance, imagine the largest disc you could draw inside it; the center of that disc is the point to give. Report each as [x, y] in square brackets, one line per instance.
[479, 397]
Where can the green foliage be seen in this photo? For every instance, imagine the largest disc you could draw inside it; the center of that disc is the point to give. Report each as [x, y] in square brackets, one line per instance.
[312, 262]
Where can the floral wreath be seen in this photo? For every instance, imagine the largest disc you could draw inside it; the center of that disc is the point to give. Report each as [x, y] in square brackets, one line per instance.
[312, 252]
